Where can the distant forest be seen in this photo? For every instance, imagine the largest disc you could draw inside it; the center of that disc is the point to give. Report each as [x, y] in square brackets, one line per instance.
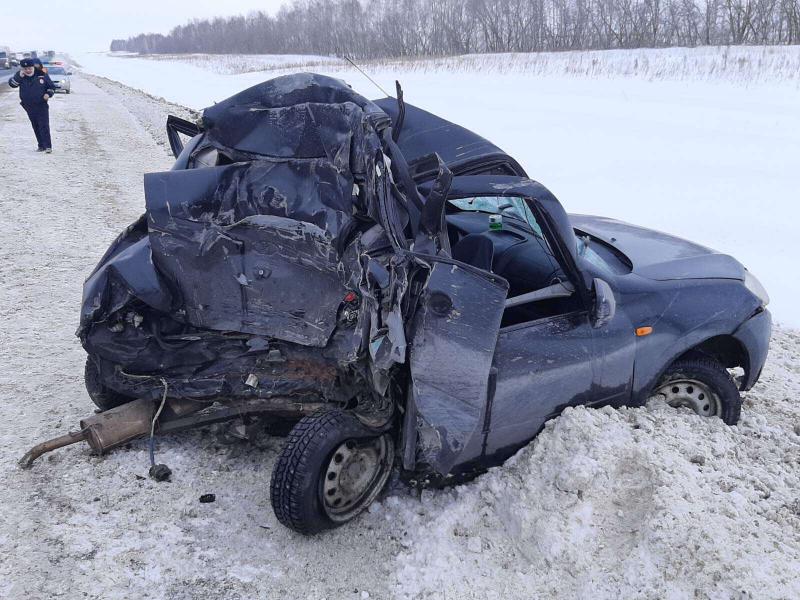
[409, 28]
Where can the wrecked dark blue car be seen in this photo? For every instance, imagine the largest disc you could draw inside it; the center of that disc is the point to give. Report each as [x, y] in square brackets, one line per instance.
[397, 289]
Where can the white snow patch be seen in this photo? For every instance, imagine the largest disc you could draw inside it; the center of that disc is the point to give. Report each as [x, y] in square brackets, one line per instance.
[701, 143]
[608, 503]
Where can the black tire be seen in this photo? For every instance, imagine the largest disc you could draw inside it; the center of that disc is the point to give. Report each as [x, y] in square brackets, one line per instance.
[712, 374]
[103, 397]
[298, 477]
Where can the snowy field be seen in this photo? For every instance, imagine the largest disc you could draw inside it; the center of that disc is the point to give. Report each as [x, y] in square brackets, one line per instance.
[638, 503]
[702, 143]
[730, 63]
[226, 64]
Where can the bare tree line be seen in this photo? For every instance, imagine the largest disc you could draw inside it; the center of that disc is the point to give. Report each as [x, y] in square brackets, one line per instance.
[407, 28]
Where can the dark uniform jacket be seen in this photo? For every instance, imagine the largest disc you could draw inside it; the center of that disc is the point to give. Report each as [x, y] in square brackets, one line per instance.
[32, 89]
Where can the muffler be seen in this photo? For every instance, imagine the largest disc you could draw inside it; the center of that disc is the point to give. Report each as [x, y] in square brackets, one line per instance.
[114, 427]
[119, 425]
[103, 431]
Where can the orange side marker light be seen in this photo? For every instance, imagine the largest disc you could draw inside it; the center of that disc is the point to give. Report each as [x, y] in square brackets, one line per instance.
[643, 331]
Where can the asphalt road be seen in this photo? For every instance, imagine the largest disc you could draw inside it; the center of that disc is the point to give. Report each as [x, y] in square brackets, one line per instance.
[5, 89]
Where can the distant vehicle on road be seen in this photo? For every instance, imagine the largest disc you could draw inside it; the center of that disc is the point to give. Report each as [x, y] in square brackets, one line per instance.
[5, 59]
[60, 77]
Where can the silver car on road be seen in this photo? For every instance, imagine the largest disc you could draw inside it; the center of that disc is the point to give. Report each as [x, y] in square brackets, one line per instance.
[60, 77]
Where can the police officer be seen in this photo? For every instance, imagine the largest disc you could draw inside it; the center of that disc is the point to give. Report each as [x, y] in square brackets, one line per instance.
[35, 90]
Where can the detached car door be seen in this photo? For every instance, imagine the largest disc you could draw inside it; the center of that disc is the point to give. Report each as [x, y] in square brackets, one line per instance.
[453, 342]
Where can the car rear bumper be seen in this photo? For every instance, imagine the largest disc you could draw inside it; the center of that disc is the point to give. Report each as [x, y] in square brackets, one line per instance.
[754, 335]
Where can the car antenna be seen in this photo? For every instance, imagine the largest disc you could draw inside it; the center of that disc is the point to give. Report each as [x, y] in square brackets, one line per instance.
[401, 112]
[350, 60]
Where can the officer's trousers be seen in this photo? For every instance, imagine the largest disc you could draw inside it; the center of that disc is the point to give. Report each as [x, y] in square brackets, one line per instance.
[39, 114]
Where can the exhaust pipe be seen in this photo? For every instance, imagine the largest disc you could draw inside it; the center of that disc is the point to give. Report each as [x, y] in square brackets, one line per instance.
[103, 431]
[122, 424]
[134, 419]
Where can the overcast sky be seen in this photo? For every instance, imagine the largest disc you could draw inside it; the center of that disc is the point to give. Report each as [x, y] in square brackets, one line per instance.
[80, 25]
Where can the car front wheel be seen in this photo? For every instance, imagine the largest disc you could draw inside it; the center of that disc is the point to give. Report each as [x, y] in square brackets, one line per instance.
[703, 385]
[331, 468]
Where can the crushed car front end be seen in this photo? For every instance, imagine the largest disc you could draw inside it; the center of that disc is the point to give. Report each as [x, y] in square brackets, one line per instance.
[266, 268]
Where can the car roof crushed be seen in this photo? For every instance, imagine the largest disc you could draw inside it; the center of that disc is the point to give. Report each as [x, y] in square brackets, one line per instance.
[425, 133]
[303, 151]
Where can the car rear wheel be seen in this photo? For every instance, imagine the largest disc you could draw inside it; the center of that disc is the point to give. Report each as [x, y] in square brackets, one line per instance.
[331, 468]
[104, 398]
[703, 385]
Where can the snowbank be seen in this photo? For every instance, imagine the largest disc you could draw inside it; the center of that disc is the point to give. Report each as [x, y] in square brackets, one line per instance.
[630, 503]
[227, 64]
[741, 64]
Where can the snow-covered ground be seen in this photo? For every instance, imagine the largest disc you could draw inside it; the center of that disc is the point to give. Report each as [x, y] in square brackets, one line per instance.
[639, 503]
[744, 64]
[225, 64]
[703, 143]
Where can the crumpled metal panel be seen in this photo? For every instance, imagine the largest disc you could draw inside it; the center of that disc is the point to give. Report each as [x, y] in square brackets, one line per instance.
[232, 263]
[270, 274]
[233, 367]
[300, 116]
[455, 334]
[125, 272]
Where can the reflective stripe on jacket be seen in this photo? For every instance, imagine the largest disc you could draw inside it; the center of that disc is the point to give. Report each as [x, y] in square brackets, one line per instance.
[33, 89]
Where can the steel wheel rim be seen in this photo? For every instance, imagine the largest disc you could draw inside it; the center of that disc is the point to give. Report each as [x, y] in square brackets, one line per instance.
[692, 394]
[355, 474]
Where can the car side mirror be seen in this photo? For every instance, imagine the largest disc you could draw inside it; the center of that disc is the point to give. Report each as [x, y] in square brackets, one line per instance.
[605, 305]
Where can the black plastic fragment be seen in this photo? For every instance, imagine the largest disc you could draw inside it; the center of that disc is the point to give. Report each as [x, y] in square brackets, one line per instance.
[207, 498]
[160, 472]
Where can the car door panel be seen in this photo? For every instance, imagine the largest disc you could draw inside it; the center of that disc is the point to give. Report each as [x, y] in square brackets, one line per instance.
[542, 367]
[453, 344]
